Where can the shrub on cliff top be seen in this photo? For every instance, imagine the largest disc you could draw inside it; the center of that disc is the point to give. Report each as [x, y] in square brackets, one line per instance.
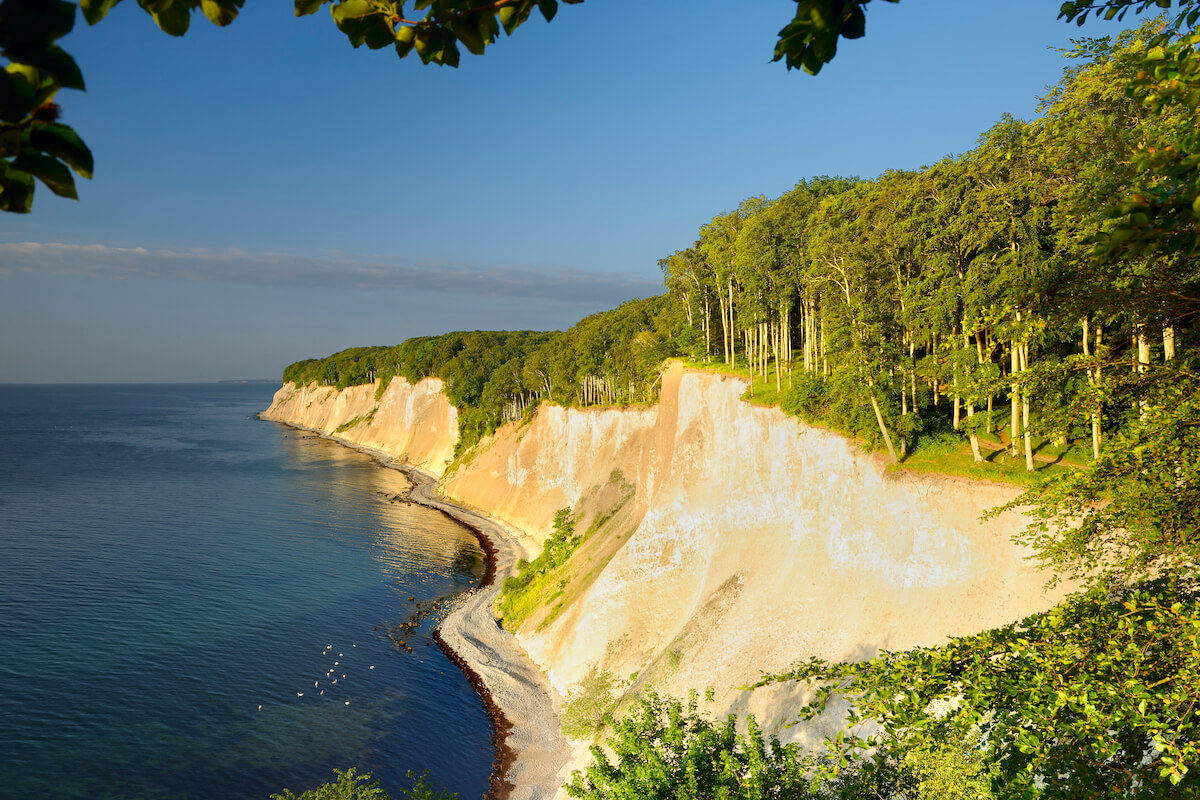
[666, 749]
[1094, 698]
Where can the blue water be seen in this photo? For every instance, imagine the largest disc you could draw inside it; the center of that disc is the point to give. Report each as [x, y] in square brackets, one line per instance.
[169, 563]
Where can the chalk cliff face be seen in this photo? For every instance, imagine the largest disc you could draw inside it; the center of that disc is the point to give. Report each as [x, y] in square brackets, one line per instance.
[415, 423]
[744, 542]
[725, 539]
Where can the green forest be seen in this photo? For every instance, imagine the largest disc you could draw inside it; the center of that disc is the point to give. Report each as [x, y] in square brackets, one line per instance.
[1034, 299]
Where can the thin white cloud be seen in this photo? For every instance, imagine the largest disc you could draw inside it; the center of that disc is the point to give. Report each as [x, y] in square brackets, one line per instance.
[334, 271]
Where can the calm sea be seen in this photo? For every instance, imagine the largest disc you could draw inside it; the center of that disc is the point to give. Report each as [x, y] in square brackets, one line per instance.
[169, 564]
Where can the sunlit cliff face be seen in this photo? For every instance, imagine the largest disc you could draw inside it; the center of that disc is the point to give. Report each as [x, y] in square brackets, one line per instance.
[734, 540]
[413, 422]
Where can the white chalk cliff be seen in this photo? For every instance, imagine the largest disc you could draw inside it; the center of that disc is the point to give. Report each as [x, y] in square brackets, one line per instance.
[726, 539]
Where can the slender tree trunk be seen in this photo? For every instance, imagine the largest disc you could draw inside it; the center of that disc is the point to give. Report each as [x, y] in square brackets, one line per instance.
[979, 355]
[972, 435]
[1093, 376]
[749, 361]
[778, 357]
[1143, 364]
[724, 327]
[1096, 429]
[1025, 412]
[1168, 341]
[1143, 350]
[732, 347]
[887, 439]
[824, 352]
[1014, 395]
[708, 330]
[933, 381]
[810, 337]
[978, 456]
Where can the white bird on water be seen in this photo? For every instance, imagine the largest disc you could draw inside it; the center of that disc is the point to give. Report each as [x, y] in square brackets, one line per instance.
[372, 666]
[299, 694]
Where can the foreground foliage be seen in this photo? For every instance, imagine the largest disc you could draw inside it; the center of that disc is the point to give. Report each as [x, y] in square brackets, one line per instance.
[349, 786]
[1094, 698]
[665, 749]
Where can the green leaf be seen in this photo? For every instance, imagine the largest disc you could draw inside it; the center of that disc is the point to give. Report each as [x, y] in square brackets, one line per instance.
[426, 42]
[512, 16]
[467, 29]
[450, 53]
[548, 8]
[16, 190]
[306, 7]
[17, 97]
[32, 25]
[63, 143]
[220, 12]
[95, 10]
[363, 23]
[855, 26]
[59, 65]
[172, 16]
[352, 9]
[50, 171]
[405, 36]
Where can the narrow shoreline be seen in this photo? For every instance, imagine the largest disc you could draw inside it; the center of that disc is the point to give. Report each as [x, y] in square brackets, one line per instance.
[499, 787]
[522, 705]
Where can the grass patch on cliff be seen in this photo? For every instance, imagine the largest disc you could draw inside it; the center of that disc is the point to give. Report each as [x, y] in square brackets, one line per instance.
[543, 589]
[538, 583]
[361, 419]
[948, 452]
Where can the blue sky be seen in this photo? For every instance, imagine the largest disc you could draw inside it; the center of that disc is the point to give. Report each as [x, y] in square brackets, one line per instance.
[265, 193]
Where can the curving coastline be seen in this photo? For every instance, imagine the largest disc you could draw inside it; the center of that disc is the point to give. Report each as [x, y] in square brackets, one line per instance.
[726, 540]
[531, 752]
